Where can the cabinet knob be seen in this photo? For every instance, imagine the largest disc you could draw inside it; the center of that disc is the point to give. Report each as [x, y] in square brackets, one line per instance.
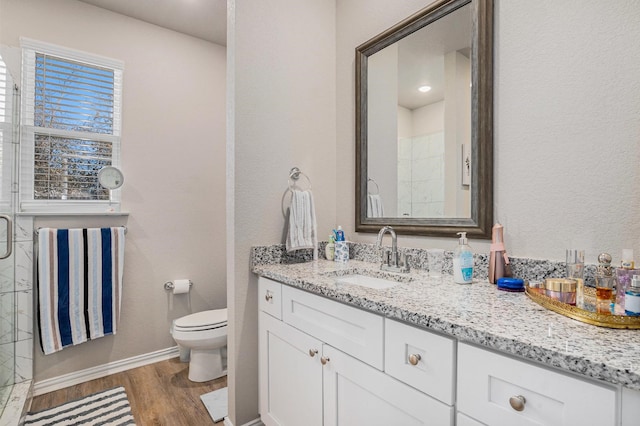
[313, 352]
[517, 402]
[414, 359]
[268, 296]
[324, 360]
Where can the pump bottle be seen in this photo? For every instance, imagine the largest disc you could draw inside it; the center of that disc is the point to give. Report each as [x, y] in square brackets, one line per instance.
[462, 261]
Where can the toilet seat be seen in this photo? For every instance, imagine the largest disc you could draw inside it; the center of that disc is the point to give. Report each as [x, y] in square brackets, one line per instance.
[202, 321]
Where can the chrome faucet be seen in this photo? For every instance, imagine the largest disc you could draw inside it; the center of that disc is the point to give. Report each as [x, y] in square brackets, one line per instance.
[391, 260]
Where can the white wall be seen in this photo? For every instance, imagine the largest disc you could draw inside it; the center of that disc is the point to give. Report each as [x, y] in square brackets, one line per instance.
[428, 119]
[281, 114]
[457, 114]
[567, 120]
[173, 160]
[382, 133]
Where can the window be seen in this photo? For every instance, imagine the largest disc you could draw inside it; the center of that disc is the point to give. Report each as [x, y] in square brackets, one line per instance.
[71, 127]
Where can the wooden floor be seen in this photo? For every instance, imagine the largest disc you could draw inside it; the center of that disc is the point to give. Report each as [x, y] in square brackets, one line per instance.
[160, 394]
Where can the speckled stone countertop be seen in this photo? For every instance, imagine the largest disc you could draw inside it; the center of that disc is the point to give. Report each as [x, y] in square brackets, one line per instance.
[476, 313]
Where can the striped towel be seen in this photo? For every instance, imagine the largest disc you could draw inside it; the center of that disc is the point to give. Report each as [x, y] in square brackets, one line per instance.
[79, 284]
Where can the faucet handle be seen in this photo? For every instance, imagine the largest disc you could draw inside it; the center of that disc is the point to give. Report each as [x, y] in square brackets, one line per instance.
[386, 256]
[404, 260]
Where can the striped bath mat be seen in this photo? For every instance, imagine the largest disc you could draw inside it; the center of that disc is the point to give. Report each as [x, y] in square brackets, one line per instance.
[108, 408]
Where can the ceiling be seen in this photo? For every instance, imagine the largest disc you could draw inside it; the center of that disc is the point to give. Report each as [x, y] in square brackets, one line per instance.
[205, 19]
[421, 57]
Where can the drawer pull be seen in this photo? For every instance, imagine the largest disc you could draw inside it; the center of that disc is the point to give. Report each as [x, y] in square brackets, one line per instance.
[268, 296]
[517, 402]
[414, 359]
[313, 352]
[324, 360]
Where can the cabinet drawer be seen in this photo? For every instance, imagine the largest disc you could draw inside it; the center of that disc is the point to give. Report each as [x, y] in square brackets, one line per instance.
[270, 297]
[434, 356]
[487, 381]
[349, 329]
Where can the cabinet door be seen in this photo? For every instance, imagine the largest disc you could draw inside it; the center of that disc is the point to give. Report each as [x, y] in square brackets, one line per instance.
[358, 394]
[290, 375]
[462, 420]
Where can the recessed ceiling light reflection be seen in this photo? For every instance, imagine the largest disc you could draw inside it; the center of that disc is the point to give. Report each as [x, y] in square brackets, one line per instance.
[424, 89]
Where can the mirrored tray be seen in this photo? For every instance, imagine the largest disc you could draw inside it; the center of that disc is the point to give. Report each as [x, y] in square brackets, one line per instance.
[588, 314]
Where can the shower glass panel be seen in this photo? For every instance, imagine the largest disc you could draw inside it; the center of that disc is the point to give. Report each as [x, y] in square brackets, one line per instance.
[8, 145]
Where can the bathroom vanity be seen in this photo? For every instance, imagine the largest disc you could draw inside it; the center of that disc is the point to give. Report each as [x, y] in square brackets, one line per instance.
[427, 351]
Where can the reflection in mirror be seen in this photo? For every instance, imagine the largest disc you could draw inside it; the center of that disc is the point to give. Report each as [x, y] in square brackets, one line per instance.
[423, 129]
[417, 127]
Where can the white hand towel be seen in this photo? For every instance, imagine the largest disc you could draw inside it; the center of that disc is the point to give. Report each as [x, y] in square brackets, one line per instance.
[374, 206]
[302, 232]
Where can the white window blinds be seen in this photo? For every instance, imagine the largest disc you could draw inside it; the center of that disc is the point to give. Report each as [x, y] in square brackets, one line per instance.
[71, 125]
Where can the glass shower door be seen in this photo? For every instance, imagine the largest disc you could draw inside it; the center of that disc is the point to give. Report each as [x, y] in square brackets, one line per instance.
[8, 137]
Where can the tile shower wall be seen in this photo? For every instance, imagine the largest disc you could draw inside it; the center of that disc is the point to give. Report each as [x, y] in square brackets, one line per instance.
[24, 298]
[421, 176]
[16, 297]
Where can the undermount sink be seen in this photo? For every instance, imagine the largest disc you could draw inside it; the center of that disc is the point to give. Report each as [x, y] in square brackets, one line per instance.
[366, 281]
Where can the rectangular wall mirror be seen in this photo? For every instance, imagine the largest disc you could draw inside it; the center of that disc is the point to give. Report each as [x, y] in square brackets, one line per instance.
[424, 118]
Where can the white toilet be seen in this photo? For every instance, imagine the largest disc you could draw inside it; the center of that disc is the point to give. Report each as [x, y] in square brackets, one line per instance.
[205, 334]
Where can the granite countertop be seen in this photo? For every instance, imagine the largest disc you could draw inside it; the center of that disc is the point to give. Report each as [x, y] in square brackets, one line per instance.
[480, 314]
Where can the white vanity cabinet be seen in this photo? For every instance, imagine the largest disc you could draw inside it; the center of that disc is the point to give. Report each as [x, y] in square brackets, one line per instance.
[326, 363]
[322, 364]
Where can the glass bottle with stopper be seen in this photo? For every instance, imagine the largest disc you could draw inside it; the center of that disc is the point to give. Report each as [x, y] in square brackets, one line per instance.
[605, 284]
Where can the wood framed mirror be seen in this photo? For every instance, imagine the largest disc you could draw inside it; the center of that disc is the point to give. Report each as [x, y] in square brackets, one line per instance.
[424, 156]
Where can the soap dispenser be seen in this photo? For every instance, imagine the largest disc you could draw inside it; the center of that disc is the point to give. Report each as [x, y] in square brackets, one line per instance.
[462, 261]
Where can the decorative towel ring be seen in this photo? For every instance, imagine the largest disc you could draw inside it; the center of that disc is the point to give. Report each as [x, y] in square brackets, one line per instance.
[294, 176]
[377, 187]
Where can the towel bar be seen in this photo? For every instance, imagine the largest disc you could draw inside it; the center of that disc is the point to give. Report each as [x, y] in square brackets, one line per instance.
[376, 184]
[294, 176]
[37, 231]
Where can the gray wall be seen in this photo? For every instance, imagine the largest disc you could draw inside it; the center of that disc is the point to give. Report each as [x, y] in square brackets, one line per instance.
[566, 117]
[281, 67]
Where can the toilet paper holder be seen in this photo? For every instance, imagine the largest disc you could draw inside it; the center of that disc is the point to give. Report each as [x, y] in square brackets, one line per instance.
[168, 286]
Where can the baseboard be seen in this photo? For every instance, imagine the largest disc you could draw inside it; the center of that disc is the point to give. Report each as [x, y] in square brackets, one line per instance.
[256, 422]
[55, 383]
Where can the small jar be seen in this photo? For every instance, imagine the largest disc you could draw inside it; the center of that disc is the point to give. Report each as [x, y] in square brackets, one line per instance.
[537, 287]
[632, 297]
[561, 289]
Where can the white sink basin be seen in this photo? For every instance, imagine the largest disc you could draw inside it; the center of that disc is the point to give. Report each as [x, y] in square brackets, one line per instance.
[366, 281]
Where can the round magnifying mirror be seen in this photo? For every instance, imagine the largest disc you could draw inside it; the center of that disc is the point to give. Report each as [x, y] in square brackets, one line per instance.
[110, 177]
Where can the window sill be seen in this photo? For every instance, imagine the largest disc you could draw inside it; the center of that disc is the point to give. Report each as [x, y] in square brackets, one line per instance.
[61, 214]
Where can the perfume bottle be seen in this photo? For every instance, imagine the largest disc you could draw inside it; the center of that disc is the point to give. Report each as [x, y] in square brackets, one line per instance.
[575, 270]
[632, 297]
[624, 274]
[605, 282]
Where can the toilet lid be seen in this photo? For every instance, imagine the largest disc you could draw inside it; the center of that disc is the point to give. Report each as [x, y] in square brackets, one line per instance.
[204, 318]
